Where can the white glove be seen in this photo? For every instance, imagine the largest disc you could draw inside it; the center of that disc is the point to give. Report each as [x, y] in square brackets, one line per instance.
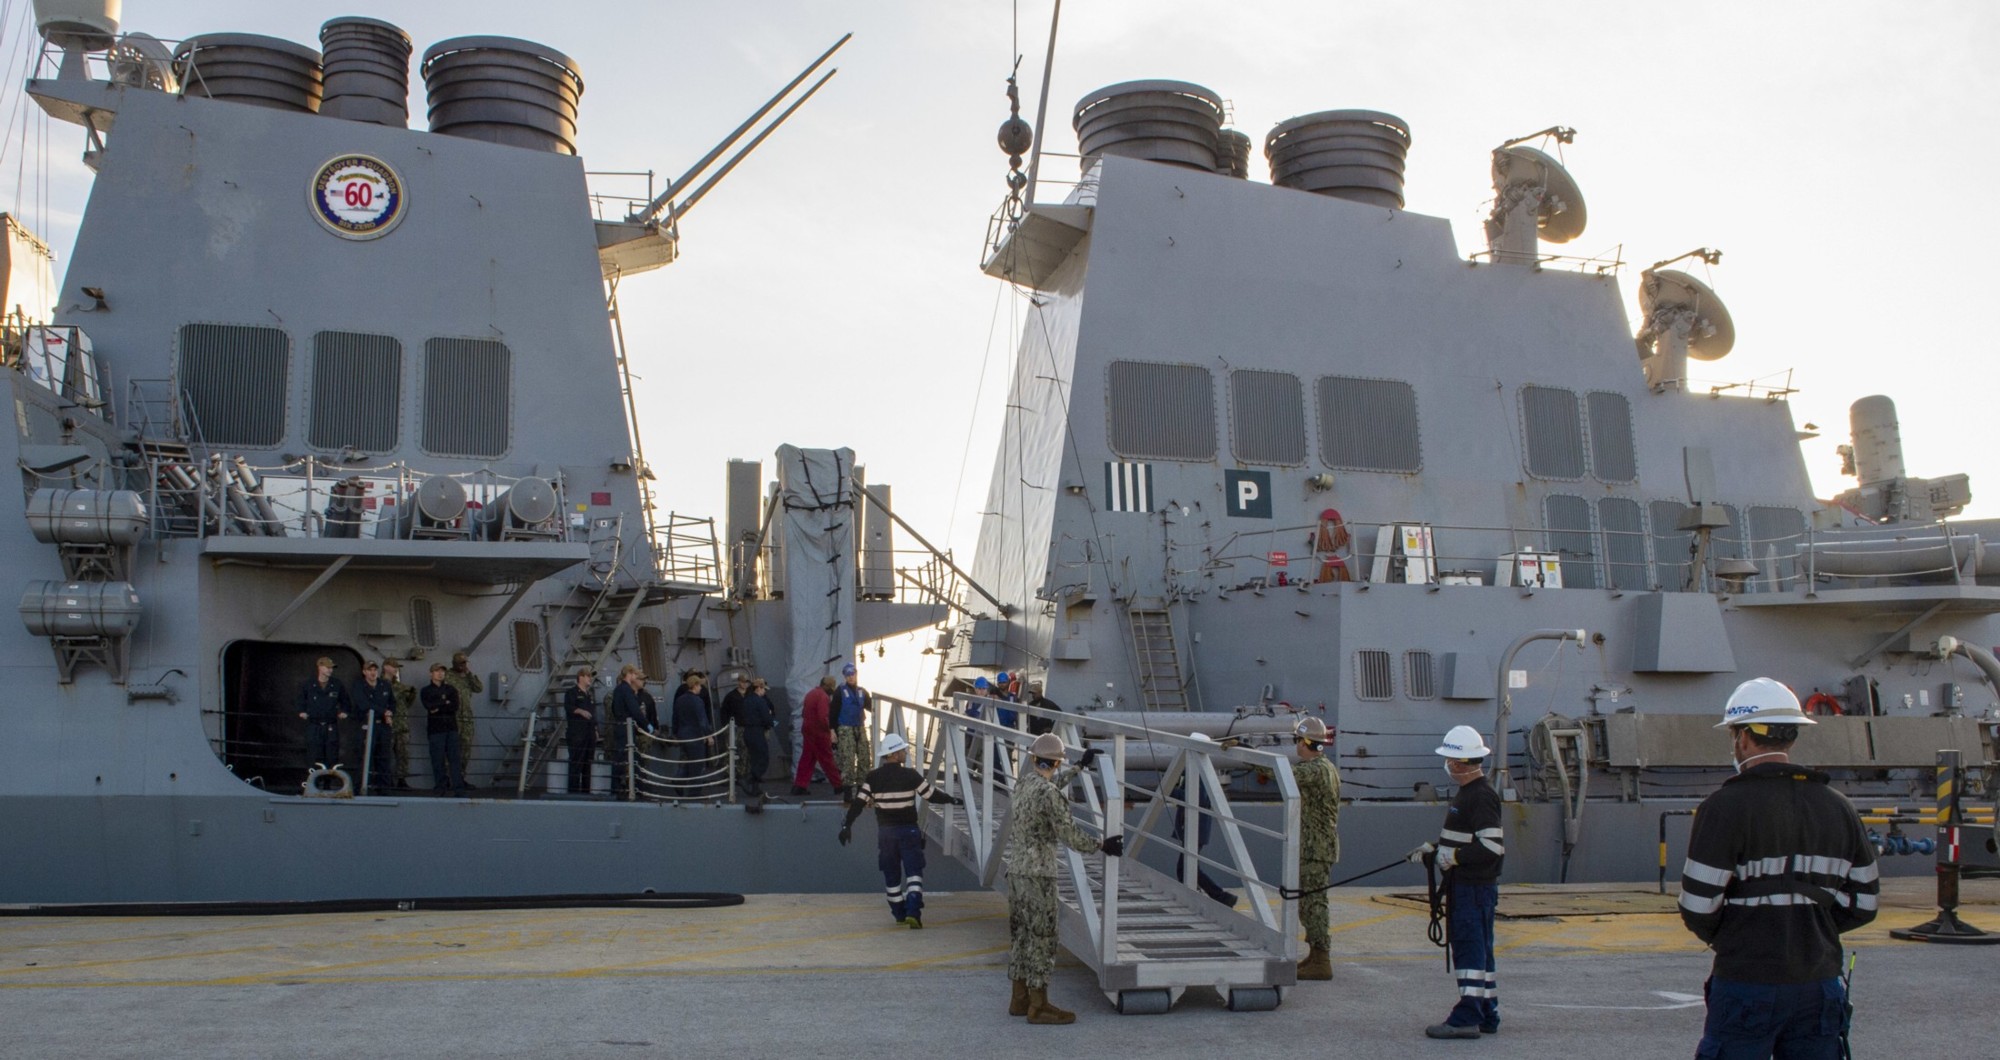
[1447, 857]
[1423, 851]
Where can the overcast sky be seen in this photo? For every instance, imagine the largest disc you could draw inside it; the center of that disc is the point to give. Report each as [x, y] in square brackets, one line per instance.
[1838, 153]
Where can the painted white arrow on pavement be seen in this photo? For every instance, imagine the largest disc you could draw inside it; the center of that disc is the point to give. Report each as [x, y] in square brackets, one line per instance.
[1674, 1001]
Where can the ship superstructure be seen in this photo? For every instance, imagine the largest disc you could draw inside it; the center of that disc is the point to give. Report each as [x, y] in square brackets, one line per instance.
[1280, 446]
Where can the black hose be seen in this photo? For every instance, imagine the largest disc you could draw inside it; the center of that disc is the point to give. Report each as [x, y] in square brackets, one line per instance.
[1438, 930]
[468, 903]
[1287, 892]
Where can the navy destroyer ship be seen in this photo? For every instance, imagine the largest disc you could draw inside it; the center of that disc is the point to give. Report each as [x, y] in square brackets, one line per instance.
[1271, 449]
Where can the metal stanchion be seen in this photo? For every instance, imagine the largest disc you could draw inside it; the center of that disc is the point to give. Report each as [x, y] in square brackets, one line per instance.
[368, 753]
[1946, 926]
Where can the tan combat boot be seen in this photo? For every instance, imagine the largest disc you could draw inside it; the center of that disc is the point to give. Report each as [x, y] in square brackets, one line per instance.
[1018, 1005]
[1317, 965]
[1041, 1011]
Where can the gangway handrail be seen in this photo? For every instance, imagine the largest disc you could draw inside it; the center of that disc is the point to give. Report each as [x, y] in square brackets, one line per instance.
[976, 760]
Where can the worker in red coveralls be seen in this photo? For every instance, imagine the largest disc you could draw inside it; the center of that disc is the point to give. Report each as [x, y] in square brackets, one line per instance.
[817, 736]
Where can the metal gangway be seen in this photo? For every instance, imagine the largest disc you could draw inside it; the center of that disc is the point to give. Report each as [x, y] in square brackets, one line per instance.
[1147, 934]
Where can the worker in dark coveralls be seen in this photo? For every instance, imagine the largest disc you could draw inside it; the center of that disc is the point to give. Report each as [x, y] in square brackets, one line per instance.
[1778, 866]
[756, 717]
[376, 700]
[441, 706]
[1039, 823]
[323, 705]
[694, 734]
[580, 730]
[893, 788]
[1469, 848]
[633, 711]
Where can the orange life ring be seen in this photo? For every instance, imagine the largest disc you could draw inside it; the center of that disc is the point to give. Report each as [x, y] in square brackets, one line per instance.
[1821, 703]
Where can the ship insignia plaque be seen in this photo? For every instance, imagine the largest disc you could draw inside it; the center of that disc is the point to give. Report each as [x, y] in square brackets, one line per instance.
[357, 197]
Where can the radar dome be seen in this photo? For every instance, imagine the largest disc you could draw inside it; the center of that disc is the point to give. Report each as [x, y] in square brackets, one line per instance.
[87, 24]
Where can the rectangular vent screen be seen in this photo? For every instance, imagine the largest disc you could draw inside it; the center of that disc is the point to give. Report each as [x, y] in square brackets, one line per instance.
[1419, 675]
[1775, 537]
[1368, 425]
[1726, 542]
[1555, 433]
[357, 391]
[233, 380]
[1673, 549]
[1624, 543]
[1374, 676]
[1568, 521]
[1163, 411]
[527, 646]
[1611, 455]
[468, 397]
[1267, 417]
[653, 652]
[423, 622]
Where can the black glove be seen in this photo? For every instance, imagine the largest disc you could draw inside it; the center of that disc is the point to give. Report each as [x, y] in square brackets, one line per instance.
[1089, 755]
[1113, 845]
[846, 834]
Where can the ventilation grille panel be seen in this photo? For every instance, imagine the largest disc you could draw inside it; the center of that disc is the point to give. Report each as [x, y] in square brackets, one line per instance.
[1624, 542]
[1163, 411]
[1568, 521]
[1555, 433]
[1374, 675]
[233, 379]
[357, 390]
[1369, 425]
[468, 397]
[423, 622]
[1419, 675]
[1267, 417]
[1611, 452]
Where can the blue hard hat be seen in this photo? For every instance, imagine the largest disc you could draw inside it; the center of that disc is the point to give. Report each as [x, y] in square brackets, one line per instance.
[1003, 677]
[981, 683]
[847, 671]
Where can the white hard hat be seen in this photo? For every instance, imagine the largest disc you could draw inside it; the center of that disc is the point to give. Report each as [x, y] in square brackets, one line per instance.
[1464, 741]
[1310, 729]
[1762, 700]
[1048, 745]
[892, 744]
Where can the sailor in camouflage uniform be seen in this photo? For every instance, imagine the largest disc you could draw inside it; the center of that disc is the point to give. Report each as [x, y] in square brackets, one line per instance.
[461, 677]
[406, 698]
[1039, 821]
[1319, 841]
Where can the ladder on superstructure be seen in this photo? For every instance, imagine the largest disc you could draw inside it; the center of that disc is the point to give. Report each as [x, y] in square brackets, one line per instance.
[1156, 653]
[593, 638]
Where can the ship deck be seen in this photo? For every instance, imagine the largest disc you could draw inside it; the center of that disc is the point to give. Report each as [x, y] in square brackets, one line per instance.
[785, 975]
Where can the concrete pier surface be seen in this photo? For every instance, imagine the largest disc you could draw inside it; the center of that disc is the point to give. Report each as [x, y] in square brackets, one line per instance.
[1595, 971]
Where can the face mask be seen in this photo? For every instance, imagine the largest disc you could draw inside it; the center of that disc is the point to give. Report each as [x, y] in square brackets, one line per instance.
[1448, 773]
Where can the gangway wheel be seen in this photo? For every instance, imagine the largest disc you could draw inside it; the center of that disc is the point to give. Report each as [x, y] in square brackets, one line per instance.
[1144, 1002]
[1253, 999]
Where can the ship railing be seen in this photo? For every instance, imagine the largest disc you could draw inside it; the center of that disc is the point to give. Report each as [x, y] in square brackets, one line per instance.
[689, 769]
[684, 550]
[1645, 560]
[1598, 265]
[614, 207]
[909, 575]
[961, 747]
[297, 497]
[1760, 387]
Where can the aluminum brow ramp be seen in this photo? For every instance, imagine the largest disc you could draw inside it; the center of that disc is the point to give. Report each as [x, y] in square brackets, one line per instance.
[1148, 935]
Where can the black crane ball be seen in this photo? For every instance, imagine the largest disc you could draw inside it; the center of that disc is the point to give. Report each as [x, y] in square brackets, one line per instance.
[1016, 136]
